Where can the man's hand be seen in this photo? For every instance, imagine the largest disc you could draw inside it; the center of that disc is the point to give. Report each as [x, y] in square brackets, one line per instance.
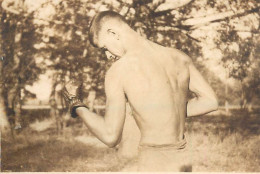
[71, 98]
[72, 87]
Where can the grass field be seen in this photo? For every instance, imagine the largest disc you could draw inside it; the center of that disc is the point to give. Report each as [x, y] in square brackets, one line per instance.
[220, 144]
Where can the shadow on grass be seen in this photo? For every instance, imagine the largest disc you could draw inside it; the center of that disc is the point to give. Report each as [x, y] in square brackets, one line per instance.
[231, 140]
[55, 155]
[225, 143]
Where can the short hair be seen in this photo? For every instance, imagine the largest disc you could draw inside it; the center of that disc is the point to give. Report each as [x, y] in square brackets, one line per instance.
[99, 20]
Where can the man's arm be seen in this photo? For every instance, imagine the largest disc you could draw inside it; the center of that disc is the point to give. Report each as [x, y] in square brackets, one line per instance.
[205, 100]
[109, 128]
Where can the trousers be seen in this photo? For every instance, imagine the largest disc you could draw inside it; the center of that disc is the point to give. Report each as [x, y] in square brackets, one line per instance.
[164, 158]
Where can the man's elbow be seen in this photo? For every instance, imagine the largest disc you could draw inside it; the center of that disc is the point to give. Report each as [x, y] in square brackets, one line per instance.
[112, 141]
[111, 144]
[214, 104]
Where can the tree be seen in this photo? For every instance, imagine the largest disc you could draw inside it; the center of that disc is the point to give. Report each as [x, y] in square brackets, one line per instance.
[5, 126]
[71, 55]
[19, 66]
[179, 27]
[3, 120]
[62, 40]
[241, 59]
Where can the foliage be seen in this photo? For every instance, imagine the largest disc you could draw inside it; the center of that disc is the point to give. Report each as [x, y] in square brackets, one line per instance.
[241, 59]
[59, 41]
[19, 64]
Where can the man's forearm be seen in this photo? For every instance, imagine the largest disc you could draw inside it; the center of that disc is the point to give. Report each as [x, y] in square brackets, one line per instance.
[199, 106]
[96, 125]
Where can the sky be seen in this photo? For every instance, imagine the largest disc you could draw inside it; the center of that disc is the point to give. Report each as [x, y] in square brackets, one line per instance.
[42, 88]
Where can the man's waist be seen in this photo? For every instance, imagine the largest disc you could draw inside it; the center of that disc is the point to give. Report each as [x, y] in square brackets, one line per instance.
[177, 145]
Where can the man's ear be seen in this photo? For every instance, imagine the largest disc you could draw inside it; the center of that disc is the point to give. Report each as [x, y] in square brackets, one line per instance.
[113, 33]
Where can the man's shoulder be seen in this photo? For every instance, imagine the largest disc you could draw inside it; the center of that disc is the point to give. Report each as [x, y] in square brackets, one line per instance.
[179, 55]
[116, 69]
[114, 76]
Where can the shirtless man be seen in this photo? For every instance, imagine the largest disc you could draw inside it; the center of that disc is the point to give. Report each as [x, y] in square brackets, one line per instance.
[155, 80]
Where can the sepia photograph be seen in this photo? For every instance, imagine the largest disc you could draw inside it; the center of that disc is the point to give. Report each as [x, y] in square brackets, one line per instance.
[130, 86]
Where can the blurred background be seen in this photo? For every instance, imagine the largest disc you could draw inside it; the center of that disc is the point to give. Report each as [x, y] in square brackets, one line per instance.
[44, 43]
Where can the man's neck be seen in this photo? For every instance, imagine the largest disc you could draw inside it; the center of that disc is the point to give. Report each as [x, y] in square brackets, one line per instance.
[134, 43]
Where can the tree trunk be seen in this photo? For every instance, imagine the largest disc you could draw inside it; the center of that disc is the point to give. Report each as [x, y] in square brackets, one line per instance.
[54, 110]
[18, 110]
[16, 100]
[226, 94]
[250, 107]
[5, 126]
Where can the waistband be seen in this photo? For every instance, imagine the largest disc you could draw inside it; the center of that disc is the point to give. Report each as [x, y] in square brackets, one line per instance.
[176, 146]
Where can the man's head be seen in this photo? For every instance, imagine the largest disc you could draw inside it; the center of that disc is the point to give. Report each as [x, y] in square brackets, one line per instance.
[106, 30]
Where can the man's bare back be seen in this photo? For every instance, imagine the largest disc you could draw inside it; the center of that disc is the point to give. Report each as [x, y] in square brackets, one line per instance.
[155, 81]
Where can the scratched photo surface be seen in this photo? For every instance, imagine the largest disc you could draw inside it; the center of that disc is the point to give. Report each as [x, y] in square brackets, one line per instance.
[46, 43]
